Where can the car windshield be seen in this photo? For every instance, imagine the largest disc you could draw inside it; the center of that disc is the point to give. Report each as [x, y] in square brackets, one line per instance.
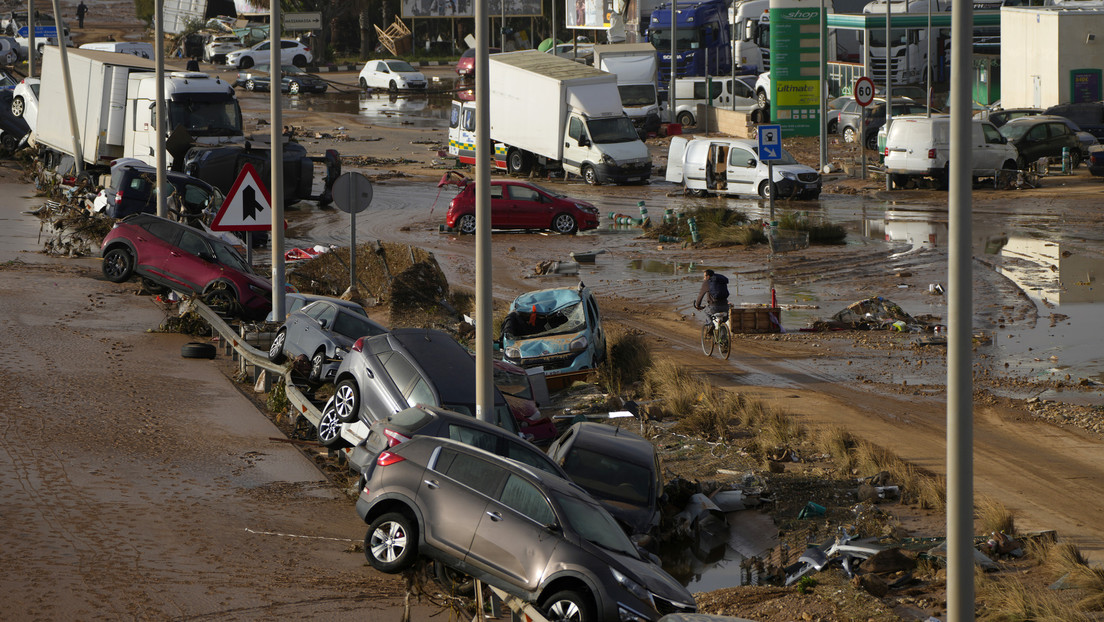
[512, 384]
[562, 321]
[354, 326]
[228, 256]
[784, 158]
[594, 524]
[207, 118]
[290, 69]
[608, 477]
[688, 38]
[400, 66]
[1014, 131]
[637, 94]
[613, 130]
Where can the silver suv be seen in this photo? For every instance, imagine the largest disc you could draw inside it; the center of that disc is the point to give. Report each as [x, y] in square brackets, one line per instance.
[527, 532]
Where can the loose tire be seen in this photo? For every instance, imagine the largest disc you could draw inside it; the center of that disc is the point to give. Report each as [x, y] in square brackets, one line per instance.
[724, 343]
[391, 543]
[564, 223]
[466, 224]
[590, 175]
[329, 429]
[898, 181]
[685, 118]
[568, 606]
[118, 265]
[276, 350]
[19, 106]
[317, 362]
[294, 88]
[707, 340]
[347, 400]
[197, 350]
[250, 85]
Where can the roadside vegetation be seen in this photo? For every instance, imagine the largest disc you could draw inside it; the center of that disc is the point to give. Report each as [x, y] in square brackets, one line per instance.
[720, 227]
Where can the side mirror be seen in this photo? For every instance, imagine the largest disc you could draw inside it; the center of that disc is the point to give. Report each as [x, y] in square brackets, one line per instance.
[322, 323]
[584, 141]
[751, 163]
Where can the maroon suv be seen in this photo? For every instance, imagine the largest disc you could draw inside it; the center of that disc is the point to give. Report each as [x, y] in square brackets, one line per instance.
[187, 260]
[522, 205]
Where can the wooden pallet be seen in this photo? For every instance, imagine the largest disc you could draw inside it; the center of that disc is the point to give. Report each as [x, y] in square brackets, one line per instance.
[758, 320]
[396, 38]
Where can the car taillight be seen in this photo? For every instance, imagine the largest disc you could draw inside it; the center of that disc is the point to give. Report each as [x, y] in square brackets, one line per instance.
[394, 438]
[931, 154]
[358, 345]
[387, 458]
[886, 153]
[119, 198]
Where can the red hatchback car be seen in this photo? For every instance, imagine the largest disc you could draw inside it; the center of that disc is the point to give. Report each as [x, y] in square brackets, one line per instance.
[522, 205]
[466, 65]
[175, 256]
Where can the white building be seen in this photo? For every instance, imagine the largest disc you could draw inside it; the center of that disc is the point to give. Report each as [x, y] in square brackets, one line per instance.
[1050, 52]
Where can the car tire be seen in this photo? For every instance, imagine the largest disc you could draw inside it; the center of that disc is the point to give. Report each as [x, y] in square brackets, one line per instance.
[250, 85]
[347, 400]
[568, 606]
[590, 176]
[848, 134]
[197, 350]
[276, 350]
[364, 84]
[246, 62]
[392, 86]
[898, 181]
[317, 362]
[466, 224]
[564, 224]
[220, 296]
[18, 106]
[517, 163]
[118, 265]
[456, 583]
[329, 430]
[1075, 158]
[761, 99]
[8, 142]
[294, 88]
[391, 543]
[685, 119]
[872, 141]
[299, 61]
[765, 189]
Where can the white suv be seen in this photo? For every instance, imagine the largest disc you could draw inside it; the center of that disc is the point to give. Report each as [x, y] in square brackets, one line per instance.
[919, 146]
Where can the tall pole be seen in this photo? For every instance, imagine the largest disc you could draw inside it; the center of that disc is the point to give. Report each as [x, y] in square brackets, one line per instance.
[672, 98]
[276, 157]
[31, 38]
[960, 413]
[159, 106]
[502, 26]
[927, 69]
[79, 155]
[889, 84]
[484, 332]
[823, 107]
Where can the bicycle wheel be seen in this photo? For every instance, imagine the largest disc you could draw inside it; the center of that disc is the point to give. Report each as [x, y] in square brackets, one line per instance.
[707, 339]
[723, 341]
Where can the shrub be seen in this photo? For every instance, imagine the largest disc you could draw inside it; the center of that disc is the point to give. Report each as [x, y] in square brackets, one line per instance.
[628, 356]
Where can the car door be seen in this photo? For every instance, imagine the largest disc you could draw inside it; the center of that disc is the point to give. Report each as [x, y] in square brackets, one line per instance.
[576, 145]
[153, 242]
[514, 540]
[458, 486]
[499, 214]
[990, 151]
[743, 96]
[314, 329]
[743, 170]
[191, 265]
[525, 208]
[261, 53]
[1035, 143]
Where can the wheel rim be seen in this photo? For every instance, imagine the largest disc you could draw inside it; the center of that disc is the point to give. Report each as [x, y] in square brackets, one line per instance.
[277, 345]
[467, 223]
[345, 402]
[589, 175]
[564, 224]
[685, 119]
[848, 135]
[293, 88]
[329, 427]
[115, 265]
[17, 106]
[220, 300]
[515, 162]
[250, 85]
[388, 542]
[565, 610]
[317, 362]
[765, 189]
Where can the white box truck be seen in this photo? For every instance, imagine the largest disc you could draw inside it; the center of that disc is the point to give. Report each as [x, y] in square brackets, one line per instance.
[555, 113]
[637, 70]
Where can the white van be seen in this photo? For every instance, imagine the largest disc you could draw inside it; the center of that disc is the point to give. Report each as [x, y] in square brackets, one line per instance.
[731, 166]
[919, 146]
[137, 48]
[723, 94]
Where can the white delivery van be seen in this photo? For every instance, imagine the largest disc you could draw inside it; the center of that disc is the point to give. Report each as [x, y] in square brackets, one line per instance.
[723, 93]
[731, 166]
[137, 48]
[920, 146]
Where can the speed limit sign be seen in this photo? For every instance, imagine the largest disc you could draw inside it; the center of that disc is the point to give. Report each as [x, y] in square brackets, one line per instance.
[864, 91]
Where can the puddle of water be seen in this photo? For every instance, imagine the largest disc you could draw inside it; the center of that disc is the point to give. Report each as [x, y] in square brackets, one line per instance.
[424, 111]
[750, 534]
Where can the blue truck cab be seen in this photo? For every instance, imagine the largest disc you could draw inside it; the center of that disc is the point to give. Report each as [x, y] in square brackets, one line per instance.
[704, 42]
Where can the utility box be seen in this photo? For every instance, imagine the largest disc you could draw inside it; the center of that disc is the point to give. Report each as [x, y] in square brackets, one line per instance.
[1053, 49]
[987, 89]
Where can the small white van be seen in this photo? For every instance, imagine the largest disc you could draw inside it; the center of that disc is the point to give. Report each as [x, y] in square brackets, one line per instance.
[731, 166]
[920, 146]
[723, 93]
[138, 48]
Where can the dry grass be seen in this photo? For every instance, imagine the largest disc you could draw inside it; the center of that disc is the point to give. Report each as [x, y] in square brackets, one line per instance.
[926, 490]
[780, 429]
[628, 358]
[838, 443]
[1007, 600]
[992, 515]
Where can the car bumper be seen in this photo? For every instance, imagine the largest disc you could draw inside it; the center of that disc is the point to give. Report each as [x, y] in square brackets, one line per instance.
[623, 173]
[795, 188]
[557, 363]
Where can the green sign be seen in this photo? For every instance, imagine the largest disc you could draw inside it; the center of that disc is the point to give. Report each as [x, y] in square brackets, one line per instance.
[795, 66]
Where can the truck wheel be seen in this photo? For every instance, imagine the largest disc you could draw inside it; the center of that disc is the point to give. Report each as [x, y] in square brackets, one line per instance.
[685, 119]
[517, 163]
[898, 181]
[590, 175]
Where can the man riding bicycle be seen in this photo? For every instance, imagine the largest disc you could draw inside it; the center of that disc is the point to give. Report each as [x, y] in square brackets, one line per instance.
[715, 286]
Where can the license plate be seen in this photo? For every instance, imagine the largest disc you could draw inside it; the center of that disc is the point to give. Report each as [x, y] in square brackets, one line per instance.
[633, 179]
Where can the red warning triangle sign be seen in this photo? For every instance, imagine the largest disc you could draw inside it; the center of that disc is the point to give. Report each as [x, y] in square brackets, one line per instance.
[247, 207]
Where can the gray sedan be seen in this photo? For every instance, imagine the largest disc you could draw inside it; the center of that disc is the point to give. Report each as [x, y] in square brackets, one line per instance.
[324, 330]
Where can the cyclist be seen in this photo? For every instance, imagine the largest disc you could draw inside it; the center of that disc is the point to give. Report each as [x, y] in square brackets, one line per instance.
[715, 286]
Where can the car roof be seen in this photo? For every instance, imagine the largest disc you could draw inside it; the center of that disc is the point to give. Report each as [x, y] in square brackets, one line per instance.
[1039, 118]
[547, 300]
[440, 357]
[611, 441]
[139, 219]
[548, 480]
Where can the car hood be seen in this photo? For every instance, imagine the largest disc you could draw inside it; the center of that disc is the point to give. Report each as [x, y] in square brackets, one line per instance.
[543, 346]
[259, 281]
[651, 576]
[639, 519]
[796, 169]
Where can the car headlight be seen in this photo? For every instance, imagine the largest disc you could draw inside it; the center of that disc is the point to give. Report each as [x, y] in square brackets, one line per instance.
[788, 175]
[512, 352]
[578, 344]
[633, 587]
[605, 159]
[586, 207]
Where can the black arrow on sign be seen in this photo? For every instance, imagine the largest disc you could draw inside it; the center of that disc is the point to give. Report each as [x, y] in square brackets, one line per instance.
[250, 205]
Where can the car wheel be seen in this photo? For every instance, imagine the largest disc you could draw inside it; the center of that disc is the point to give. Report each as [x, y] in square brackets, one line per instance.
[364, 84]
[221, 298]
[466, 224]
[391, 543]
[329, 429]
[872, 141]
[8, 142]
[299, 60]
[564, 223]
[833, 126]
[276, 350]
[294, 88]
[198, 350]
[347, 400]
[392, 86]
[317, 362]
[118, 265]
[568, 606]
[761, 99]
[18, 106]
[765, 189]
[898, 181]
[250, 85]
[848, 134]
[246, 62]
[455, 582]
[685, 119]
[590, 175]
[1075, 157]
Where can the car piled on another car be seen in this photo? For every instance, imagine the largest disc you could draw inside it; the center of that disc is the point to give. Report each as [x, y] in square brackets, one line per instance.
[324, 331]
[558, 329]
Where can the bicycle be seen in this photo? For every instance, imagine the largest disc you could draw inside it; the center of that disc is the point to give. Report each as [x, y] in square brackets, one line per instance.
[715, 333]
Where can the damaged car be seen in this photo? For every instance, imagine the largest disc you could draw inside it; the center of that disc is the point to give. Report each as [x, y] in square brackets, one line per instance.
[558, 329]
[529, 533]
[324, 331]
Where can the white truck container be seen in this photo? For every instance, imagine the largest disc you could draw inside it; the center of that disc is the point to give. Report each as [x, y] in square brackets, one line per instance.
[555, 113]
[115, 95]
[637, 71]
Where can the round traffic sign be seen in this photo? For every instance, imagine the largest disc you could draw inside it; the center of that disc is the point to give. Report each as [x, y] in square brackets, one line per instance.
[864, 91]
[352, 192]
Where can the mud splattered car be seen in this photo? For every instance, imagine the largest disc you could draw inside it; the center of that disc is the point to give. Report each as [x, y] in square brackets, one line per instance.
[558, 329]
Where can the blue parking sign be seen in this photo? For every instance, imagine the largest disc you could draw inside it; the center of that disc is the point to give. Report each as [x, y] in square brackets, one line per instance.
[770, 142]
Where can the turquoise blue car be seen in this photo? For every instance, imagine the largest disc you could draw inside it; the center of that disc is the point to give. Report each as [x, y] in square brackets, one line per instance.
[558, 329]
